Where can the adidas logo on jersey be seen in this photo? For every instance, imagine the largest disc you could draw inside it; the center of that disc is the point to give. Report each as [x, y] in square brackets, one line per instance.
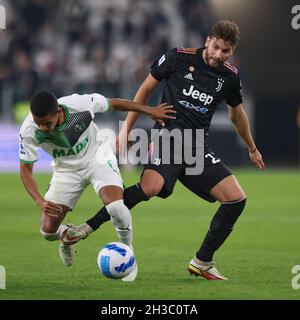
[189, 76]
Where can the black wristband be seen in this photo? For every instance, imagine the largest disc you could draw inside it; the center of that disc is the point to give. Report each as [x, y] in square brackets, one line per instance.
[253, 150]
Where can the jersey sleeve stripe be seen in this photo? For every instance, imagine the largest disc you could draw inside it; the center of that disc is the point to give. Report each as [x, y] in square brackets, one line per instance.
[231, 67]
[187, 50]
[108, 105]
[27, 161]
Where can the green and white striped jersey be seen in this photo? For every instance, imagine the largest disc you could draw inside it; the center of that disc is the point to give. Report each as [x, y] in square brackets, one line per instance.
[73, 144]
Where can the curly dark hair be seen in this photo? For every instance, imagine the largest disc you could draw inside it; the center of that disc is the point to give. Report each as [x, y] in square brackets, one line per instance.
[227, 31]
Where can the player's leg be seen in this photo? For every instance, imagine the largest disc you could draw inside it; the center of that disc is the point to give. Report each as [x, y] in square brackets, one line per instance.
[51, 227]
[65, 190]
[150, 185]
[215, 183]
[112, 197]
[133, 195]
[232, 202]
[107, 182]
[155, 180]
[228, 190]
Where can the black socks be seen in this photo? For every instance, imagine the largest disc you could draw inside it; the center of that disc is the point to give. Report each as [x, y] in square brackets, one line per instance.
[220, 228]
[132, 196]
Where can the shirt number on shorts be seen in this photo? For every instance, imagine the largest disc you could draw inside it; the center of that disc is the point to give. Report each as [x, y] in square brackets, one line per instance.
[213, 159]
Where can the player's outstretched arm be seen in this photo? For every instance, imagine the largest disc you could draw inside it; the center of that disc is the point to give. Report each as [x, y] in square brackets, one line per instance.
[163, 111]
[240, 120]
[30, 185]
[142, 96]
[138, 105]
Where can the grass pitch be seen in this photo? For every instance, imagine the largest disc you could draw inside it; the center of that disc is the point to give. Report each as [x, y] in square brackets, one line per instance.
[257, 258]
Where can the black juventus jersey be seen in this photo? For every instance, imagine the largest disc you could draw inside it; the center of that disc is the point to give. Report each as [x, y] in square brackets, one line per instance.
[194, 88]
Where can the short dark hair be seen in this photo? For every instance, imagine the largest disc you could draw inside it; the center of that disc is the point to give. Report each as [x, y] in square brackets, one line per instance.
[227, 31]
[43, 103]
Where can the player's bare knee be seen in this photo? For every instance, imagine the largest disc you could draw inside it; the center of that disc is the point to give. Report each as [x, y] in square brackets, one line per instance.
[242, 195]
[150, 190]
[110, 194]
[151, 183]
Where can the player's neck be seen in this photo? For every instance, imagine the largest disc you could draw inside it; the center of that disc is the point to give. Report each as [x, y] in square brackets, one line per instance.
[61, 116]
[204, 56]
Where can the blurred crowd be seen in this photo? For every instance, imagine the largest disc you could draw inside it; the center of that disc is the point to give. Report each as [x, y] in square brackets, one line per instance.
[91, 45]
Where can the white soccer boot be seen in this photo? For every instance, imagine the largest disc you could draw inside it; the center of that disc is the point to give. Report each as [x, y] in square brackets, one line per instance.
[75, 233]
[67, 254]
[206, 270]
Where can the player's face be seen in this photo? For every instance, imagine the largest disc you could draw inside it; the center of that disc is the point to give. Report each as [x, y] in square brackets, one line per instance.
[217, 51]
[48, 122]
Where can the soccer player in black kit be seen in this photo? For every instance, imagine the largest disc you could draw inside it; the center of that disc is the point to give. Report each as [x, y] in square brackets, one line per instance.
[196, 81]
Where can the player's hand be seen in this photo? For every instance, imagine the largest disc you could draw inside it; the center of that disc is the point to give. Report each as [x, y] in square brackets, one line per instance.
[161, 112]
[257, 159]
[50, 208]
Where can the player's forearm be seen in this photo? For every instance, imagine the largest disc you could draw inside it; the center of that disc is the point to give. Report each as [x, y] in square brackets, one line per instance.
[243, 129]
[130, 120]
[31, 186]
[142, 97]
[127, 105]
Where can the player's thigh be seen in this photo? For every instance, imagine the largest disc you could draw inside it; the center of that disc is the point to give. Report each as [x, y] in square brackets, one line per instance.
[50, 224]
[106, 179]
[213, 173]
[65, 188]
[159, 178]
[228, 190]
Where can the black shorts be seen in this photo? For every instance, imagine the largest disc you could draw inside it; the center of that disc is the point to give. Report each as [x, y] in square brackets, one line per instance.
[214, 171]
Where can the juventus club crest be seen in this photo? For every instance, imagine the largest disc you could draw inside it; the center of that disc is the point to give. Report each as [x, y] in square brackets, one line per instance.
[220, 84]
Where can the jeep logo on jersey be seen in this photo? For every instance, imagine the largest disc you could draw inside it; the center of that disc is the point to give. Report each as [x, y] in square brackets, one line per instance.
[196, 94]
[79, 127]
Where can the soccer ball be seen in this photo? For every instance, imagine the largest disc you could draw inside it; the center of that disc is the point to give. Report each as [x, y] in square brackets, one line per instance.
[116, 260]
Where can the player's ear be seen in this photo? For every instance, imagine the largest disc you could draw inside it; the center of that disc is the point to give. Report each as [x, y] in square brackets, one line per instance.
[207, 41]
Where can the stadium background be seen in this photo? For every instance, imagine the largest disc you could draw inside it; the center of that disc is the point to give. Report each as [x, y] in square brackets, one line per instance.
[108, 47]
